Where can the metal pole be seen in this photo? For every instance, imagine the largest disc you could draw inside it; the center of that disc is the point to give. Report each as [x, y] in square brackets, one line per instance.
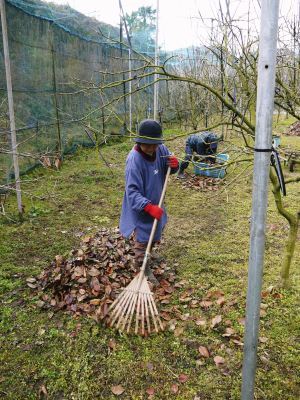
[123, 73]
[13, 135]
[129, 64]
[155, 94]
[130, 88]
[55, 100]
[263, 140]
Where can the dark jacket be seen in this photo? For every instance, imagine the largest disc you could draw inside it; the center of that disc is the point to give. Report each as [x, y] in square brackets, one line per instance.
[205, 143]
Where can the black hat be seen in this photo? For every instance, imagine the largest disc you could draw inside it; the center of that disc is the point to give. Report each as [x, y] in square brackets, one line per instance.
[150, 132]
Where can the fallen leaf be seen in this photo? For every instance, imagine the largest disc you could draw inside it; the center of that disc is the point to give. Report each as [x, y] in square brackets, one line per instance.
[183, 378]
[31, 285]
[277, 295]
[262, 313]
[174, 388]
[205, 304]
[263, 339]
[150, 391]
[185, 299]
[165, 316]
[50, 314]
[203, 351]
[46, 161]
[219, 360]
[221, 301]
[112, 344]
[43, 394]
[59, 260]
[117, 390]
[31, 280]
[150, 366]
[264, 359]
[200, 322]
[215, 321]
[183, 317]
[194, 304]
[214, 294]
[95, 302]
[228, 332]
[238, 342]
[178, 331]
[57, 163]
[94, 272]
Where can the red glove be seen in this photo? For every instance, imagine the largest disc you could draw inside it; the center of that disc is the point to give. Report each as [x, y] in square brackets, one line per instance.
[154, 211]
[172, 162]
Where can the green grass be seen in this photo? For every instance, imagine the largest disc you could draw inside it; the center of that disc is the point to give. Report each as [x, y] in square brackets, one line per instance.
[207, 235]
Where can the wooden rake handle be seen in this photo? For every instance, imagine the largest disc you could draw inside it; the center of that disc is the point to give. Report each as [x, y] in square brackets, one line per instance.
[148, 249]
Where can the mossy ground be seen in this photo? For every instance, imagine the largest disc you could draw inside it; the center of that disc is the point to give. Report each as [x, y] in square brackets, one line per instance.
[207, 235]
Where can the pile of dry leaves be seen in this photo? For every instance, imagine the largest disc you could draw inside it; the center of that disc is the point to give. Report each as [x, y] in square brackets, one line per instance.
[294, 130]
[201, 183]
[89, 280]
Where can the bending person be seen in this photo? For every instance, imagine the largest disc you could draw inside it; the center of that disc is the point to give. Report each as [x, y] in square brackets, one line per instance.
[204, 144]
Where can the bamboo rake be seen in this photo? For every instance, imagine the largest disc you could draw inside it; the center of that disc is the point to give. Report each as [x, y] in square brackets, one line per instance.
[136, 300]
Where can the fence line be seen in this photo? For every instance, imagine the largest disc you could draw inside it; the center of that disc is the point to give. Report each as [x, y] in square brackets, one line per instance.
[48, 61]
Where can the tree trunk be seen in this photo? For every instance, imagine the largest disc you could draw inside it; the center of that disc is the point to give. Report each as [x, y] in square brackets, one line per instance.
[289, 249]
[293, 221]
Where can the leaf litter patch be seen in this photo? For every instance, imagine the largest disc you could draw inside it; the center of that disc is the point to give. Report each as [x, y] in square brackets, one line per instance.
[89, 280]
[294, 129]
[200, 183]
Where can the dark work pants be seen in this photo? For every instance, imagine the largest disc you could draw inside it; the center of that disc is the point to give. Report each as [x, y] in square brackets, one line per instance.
[139, 249]
[188, 156]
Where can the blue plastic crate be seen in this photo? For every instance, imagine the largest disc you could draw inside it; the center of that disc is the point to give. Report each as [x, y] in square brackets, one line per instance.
[276, 141]
[199, 168]
[222, 158]
[209, 170]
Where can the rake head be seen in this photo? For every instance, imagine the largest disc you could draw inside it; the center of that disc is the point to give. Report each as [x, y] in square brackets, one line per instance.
[135, 306]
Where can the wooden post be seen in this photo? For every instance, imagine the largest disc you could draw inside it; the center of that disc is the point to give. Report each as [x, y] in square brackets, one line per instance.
[13, 135]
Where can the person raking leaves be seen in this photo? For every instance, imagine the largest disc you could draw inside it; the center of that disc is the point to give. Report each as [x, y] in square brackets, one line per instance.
[146, 168]
[204, 144]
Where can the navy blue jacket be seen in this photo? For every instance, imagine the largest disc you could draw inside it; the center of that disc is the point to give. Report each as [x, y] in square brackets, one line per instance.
[205, 143]
[144, 183]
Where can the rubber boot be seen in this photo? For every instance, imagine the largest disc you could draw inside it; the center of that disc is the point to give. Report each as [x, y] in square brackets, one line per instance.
[181, 175]
[150, 276]
[156, 258]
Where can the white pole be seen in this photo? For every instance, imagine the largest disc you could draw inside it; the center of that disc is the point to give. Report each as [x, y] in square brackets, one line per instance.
[263, 141]
[13, 135]
[130, 87]
[155, 94]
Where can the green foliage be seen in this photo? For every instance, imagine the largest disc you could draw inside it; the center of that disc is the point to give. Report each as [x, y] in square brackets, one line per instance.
[141, 27]
[37, 211]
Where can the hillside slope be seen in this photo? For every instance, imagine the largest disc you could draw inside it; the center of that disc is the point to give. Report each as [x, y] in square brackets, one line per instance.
[68, 18]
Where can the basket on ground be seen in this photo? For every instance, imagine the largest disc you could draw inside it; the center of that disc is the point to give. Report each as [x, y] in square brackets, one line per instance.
[276, 140]
[212, 170]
